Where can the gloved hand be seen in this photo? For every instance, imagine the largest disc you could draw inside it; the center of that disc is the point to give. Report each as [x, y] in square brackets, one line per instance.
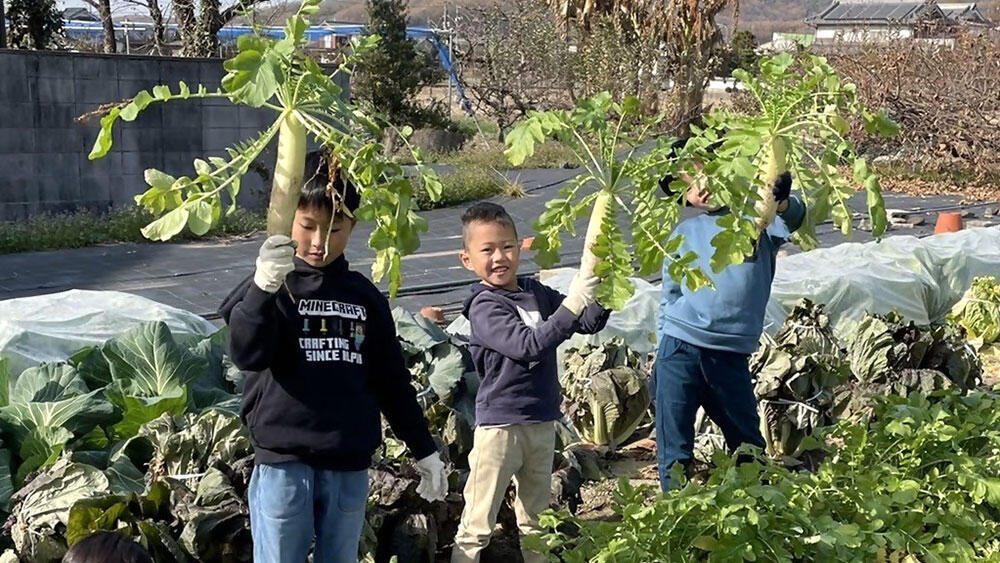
[274, 262]
[433, 478]
[581, 293]
[783, 187]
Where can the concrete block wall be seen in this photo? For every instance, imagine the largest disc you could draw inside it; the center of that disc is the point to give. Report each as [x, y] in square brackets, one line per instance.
[43, 150]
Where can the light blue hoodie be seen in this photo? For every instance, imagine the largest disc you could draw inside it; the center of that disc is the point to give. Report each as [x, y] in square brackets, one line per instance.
[729, 317]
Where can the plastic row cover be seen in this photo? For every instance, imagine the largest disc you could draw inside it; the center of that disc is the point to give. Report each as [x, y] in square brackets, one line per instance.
[920, 278]
[49, 328]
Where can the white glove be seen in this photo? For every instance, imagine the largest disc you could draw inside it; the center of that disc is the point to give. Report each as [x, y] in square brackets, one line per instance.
[274, 262]
[581, 293]
[433, 478]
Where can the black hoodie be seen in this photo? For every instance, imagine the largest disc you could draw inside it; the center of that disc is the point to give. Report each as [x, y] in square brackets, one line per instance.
[322, 361]
[513, 341]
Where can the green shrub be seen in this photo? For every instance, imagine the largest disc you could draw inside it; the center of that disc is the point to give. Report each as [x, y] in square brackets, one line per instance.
[465, 185]
[88, 228]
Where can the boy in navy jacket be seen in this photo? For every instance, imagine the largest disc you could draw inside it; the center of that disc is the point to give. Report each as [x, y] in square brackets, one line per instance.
[516, 326]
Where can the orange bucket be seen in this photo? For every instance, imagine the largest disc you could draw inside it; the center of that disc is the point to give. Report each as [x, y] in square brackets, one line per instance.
[526, 243]
[948, 223]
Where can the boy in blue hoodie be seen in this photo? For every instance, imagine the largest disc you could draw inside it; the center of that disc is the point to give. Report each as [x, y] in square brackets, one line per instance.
[706, 336]
[516, 325]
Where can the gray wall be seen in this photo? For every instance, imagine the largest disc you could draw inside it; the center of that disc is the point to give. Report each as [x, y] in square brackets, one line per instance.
[43, 151]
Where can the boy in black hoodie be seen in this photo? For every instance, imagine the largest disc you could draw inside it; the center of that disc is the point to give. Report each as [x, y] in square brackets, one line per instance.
[516, 327]
[319, 345]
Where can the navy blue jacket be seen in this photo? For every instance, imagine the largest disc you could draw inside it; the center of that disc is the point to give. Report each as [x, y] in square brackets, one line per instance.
[321, 368]
[514, 335]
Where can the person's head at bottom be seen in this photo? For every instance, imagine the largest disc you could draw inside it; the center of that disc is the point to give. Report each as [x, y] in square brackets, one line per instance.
[107, 547]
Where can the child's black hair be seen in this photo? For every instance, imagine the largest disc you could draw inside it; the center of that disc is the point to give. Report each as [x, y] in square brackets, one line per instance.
[319, 192]
[487, 212]
[107, 547]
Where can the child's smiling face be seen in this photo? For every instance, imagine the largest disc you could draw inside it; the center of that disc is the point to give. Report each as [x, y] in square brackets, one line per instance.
[492, 252]
[310, 233]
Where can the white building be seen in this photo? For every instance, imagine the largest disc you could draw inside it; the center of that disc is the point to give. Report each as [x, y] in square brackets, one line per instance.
[865, 20]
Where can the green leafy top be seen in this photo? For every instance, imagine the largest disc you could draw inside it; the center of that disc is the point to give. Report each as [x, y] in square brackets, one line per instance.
[277, 74]
[595, 131]
[801, 102]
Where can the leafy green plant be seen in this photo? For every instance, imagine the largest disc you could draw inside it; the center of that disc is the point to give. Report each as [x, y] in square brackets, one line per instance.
[142, 516]
[278, 75]
[888, 343]
[891, 356]
[445, 379]
[917, 484]
[464, 184]
[167, 460]
[150, 374]
[800, 126]
[41, 508]
[49, 405]
[594, 131]
[191, 508]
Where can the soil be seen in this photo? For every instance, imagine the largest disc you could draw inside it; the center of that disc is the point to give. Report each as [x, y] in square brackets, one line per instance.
[636, 463]
[970, 192]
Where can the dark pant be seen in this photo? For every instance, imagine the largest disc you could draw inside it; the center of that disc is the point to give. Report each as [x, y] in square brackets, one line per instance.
[689, 376]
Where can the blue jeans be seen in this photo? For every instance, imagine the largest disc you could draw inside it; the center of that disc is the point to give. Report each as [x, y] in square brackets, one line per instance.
[689, 376]
[292, 504]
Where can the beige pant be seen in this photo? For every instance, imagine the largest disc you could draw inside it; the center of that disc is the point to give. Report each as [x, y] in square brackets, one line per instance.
[521, 451]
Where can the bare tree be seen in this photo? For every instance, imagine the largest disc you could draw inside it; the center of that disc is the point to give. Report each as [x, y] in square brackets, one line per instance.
[612, 57]
[685, 29]
[199, 22]
[693, 44]
[103, 8]
[512, 60]
[156, 14]
[943, 97]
